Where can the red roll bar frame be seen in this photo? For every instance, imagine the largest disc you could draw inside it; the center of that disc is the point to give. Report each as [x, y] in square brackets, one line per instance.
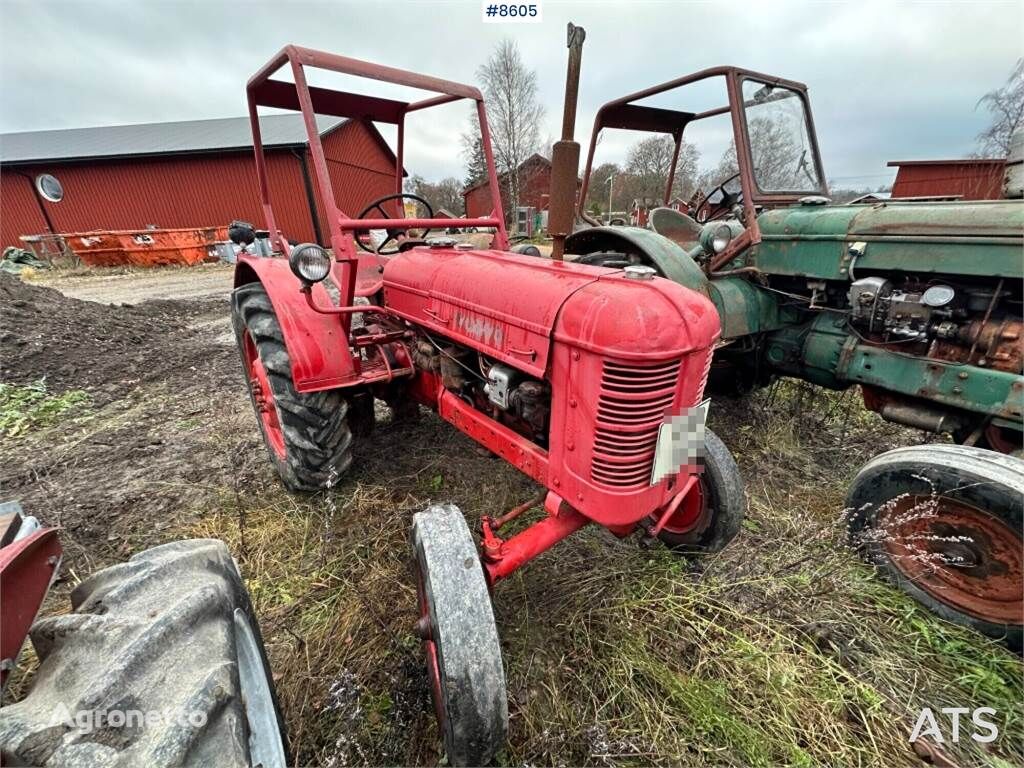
[311, 101]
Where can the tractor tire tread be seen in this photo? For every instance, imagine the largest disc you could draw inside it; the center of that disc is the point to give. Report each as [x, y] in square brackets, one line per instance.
[155, 634]
[315, 425]
[728, 500]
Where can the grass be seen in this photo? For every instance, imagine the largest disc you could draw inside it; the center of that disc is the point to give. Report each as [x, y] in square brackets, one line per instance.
[25, 408]
[784, 649]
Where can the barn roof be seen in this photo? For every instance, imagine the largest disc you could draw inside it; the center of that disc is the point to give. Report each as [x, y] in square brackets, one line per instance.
[188, 136]
[958, 161]
[536, 157]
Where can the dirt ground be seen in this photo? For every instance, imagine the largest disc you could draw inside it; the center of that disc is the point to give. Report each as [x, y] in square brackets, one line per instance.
[784, 649]
[134, 287]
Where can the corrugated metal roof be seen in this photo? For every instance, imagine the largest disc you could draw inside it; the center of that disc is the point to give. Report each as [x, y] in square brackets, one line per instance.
[156, 138]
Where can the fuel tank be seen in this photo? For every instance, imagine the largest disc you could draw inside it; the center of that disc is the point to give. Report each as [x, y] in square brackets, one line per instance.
[973, 238]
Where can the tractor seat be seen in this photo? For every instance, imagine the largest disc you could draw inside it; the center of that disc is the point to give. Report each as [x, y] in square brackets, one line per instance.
[681, 229]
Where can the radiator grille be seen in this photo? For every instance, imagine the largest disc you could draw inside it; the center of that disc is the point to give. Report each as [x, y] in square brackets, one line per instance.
[631, 408]
[704, 375]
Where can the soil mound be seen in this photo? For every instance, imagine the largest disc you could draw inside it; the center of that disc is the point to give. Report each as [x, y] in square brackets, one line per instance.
[78, 344]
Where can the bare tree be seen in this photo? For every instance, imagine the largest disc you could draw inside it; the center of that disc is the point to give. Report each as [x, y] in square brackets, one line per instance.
[1006, 105]
[781, 164]
[446, 193]
[514, 113]
[650, 161]
[597, 192]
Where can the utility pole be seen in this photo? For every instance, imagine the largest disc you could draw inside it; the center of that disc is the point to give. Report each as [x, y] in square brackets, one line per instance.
[610, 182]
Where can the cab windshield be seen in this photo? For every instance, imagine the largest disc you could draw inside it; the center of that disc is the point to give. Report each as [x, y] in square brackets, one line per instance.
[780, 143]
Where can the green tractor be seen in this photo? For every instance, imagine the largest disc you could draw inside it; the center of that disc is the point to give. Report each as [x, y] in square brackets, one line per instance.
[918, 302]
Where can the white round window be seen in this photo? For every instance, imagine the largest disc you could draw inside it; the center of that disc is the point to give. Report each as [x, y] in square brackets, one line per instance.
[49, 187]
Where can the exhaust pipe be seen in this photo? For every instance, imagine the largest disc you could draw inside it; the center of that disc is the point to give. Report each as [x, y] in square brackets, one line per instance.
[565, 154]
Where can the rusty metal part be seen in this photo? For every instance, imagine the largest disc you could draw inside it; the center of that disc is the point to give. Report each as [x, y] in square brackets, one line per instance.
[958, 554]
[988, 312]
[565, 155]
[627, 114]
[995, 345]
[515, 512]
[917, 414]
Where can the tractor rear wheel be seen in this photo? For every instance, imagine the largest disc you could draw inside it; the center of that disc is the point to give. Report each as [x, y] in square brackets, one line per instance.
[943, 523]
[712, 513]
[308, 436]
[460, 638]
[160, 663]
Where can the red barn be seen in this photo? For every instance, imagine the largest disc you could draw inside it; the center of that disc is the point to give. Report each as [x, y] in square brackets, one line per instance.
[971, 179]
[534, 189]
[198, 173]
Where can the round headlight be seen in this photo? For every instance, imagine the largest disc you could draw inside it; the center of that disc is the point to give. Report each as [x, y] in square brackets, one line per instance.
[720, 240]
[309, 262]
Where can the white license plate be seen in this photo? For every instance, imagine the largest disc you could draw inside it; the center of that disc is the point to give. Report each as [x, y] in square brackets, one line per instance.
[680, 442]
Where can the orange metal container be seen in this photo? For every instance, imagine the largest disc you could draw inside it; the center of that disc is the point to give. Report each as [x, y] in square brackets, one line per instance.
[146, 247]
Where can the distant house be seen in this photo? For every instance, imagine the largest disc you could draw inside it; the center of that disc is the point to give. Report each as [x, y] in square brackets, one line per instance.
[640, 209]
[871, 197]
[198, 173]
[968, 179]
[534, 189]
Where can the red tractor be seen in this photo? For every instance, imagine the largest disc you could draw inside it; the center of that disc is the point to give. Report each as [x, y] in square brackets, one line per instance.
[587, 379]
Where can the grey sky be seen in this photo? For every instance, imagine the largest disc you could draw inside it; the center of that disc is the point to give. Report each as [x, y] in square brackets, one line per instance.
[887, 81]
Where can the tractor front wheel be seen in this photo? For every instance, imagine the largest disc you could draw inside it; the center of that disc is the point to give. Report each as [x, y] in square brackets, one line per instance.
[712, 513]
[943, 523]
[308, 436]
[460, 638]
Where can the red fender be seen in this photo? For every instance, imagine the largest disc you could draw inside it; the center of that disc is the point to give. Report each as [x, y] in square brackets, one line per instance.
[316, 343]
[27, 568]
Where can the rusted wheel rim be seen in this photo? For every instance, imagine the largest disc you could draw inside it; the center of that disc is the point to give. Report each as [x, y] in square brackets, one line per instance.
[263, 398]
[958, 554]
[423, 629]
[1002, 440]
[691, 512]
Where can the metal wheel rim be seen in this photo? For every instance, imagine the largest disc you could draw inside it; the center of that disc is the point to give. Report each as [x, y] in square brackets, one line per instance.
[265, 745]
[263, 398]
[430, 651]
[692, 511]
[959, 554]
[999, 441]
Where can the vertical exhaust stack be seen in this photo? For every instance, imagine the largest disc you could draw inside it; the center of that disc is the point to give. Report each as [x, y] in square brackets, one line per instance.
[565, 155]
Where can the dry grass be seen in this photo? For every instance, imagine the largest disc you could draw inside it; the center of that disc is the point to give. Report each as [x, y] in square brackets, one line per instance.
[784, 649]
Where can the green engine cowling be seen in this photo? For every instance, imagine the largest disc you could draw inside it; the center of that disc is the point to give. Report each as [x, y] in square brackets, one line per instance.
[980, 239]
[949, 360]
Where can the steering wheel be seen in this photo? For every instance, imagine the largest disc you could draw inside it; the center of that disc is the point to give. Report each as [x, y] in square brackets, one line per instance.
[396, 232]
[705, 211]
